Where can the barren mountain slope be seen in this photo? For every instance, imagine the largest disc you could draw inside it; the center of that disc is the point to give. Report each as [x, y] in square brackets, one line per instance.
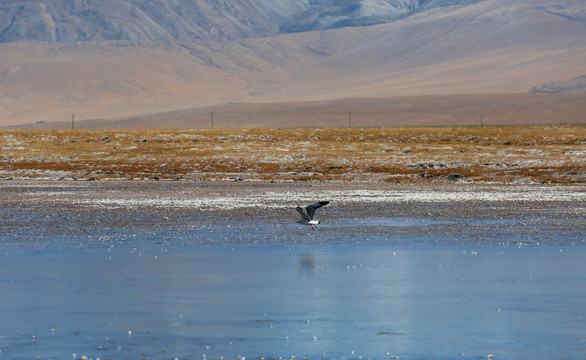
[138, 20]
[490, 46]
[184, 20]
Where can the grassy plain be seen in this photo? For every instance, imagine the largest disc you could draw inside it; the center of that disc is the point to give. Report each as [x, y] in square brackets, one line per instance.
[525, 154]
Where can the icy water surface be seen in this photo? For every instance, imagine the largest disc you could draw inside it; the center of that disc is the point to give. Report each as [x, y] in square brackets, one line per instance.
[412, 285]
[419, 302]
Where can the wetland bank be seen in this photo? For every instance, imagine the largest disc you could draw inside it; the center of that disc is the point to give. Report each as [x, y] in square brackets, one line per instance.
[521, 154]
[486, 265]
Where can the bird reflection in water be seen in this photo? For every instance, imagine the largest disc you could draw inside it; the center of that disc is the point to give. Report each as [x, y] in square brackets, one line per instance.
[307, 264]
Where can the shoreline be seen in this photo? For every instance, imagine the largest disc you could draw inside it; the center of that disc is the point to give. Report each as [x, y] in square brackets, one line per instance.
[49, 213]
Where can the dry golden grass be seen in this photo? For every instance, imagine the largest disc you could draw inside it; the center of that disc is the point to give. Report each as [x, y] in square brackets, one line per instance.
[551, 154]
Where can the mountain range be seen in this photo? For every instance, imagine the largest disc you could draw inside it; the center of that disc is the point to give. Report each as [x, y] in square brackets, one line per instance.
[122, 58]
[185, 20]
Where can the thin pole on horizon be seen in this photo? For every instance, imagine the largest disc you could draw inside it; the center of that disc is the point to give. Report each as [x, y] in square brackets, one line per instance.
[349, 119]
[212, 119]
[72, 121]
[481, 117]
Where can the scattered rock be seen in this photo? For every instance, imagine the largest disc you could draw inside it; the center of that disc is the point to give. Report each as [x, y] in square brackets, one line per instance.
[456, 177]
[425, 175]
[417, 166]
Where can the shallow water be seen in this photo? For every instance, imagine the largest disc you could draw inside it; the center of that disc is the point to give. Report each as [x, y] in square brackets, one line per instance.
[416, 302]
[126, 283]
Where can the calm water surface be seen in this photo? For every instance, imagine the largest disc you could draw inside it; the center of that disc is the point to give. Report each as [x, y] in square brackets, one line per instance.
[141, 297]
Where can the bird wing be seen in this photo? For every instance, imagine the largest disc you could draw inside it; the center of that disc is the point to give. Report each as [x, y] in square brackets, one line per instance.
[311, 208]
[304, 216]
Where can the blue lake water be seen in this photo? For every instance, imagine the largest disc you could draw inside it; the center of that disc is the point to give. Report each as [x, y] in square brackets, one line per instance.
[138, 299]
[138, 270]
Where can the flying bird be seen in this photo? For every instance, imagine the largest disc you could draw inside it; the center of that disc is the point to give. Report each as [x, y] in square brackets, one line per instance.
[307, 214]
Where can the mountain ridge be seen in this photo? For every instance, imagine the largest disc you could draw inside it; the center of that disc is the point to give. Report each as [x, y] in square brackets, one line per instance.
[460, 47]
[186, 20]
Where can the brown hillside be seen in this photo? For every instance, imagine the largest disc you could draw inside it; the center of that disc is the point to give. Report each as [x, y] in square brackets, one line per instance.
[448, 110]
